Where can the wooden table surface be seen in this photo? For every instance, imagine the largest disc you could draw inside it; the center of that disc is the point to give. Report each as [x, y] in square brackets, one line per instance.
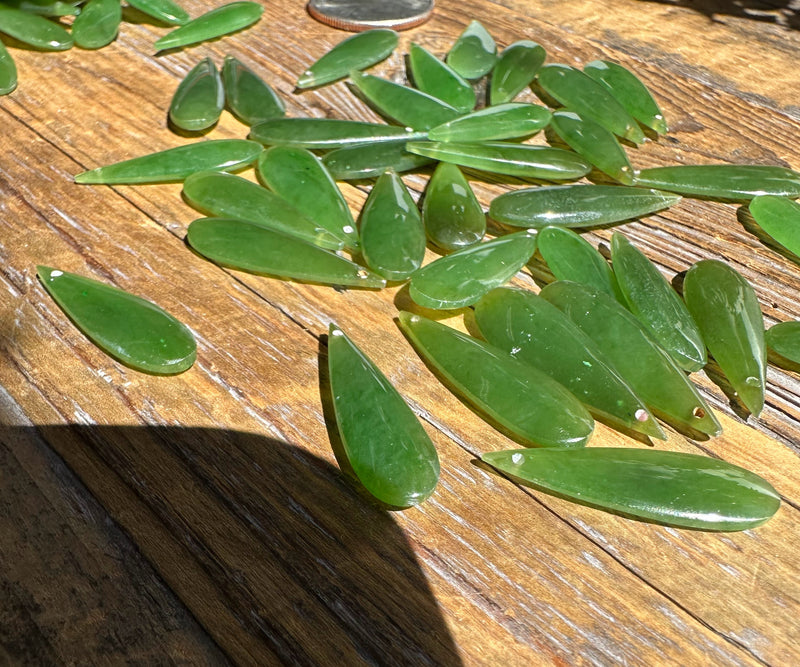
[202, 518]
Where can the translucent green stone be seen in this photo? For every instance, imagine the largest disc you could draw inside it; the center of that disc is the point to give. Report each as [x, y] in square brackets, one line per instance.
[357, 52]
[505, 121]
[300, 178]
[245, 246]
[215, 23]
[463, 277]
[52, 9]
[248, 96]
[175, 164]
[384, 442]
[514, 70]
[132, 330]
[670, 488]
[577, 205]
[779, 217]
[474, 52]
[392, 235]
[537, 333]
[8, 71]
[360, 161]
[727, 312]
[438, 79]
[783, 340]
[523, 160]
[163, 10]
[199, 98]
[224, 195]
[36, 31]
[452, 214]
[328, 133]
[524, 402]
[656, 305]
[98, 23]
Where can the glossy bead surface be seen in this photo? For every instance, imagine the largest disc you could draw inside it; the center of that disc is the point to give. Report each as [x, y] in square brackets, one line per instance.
[438, 79]
[451, 212]
[8, 71]
[360, 161]
[328, 133]
[515, 69]
[249, 98]
[505, 121]
[779, 217]
[215, 23]
[474, 52]
[199, 98]
[33, 30]
[783, 340]
[98, 23]
[163, 10]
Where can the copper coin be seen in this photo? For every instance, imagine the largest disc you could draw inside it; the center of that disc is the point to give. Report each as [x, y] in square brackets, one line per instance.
[358, 15]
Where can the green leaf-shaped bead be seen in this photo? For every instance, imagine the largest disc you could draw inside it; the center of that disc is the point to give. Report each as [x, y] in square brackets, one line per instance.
[8, 71]
[199, 98]
[505, 121]
[360, 161]
[438, 79]
[328, 133]
[515, 68]
[783, 341]
[165, 11]
[779, 217]
[215, 23]
[474, 52]
[98, 23]
[36, 31]
[451, 212]
[249, 98]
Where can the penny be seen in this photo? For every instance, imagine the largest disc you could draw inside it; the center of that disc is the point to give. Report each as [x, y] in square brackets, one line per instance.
[358, 15]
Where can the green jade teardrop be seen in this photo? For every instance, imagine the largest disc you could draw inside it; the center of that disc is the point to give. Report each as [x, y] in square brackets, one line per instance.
[392, 235]
[438, 79]
[474, 52]
[245, 246]
[328, 133]
[595, 144]
[515, 69]
[33, 30]
[383, 441]
[451, 212]
[505, 121]
[199, 98]
[522, 160]
[175, 164]
[656, 305]
[670, 488]
[590, 99]
[8, 71]
[132, 330]
[300, 178]
[783, 342]
[357, 162]
[51, 9]
[358, 52]
[406, 106]
[98, 24]
[577, 205]
[629, 91]
[779, 217]
[165, 11]
[223, 195]
[247, 95]
[526, 403]
[638, 359]
[537, 333]
[727, 313]
[215, 23]
[726, 182]
[463, 277]
[569, 256]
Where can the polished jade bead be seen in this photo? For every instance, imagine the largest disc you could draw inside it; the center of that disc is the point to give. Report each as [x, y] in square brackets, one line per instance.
[629, 91]
[175, 164]
[577, 205]
[670, 488]
[728, 182]
[783, 342]
[463, 277]
[33, 30]
[245, 246]
[569, 256]
[215, 23]
[779, 217]
[438, 79]
[223, 195]
[408, 107]
[249, 98]
[199, 98]
[392, 235]
[384, 442]
[726, 310]
[98, 24]
[505, 121]
[595, 143]
[8, 71]
[129, 328]
[525, 403]
[451, 212]
[328, 133]
[635, 355]
[474, 52]
[358, 52]
[300, 178]
[53, 9]
[360, 161]
[515, 68]
[657, 305]
[523, 160]
[165, 11]
[535, 332]
[590, 99]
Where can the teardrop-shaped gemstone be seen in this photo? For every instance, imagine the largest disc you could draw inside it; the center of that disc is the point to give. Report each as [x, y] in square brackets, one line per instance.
[505, 121]
[199, 98]
[219, 21]
[165, 11]
[360, 161]
[36, 31]
[779, 217]
[328, 133]
[451, 212]
[474, 52]
[249, 98]
[515, 69]
[98, 23]
[438, 79]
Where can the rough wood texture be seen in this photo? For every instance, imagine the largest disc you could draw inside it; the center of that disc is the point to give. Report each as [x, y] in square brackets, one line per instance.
[202, 518]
